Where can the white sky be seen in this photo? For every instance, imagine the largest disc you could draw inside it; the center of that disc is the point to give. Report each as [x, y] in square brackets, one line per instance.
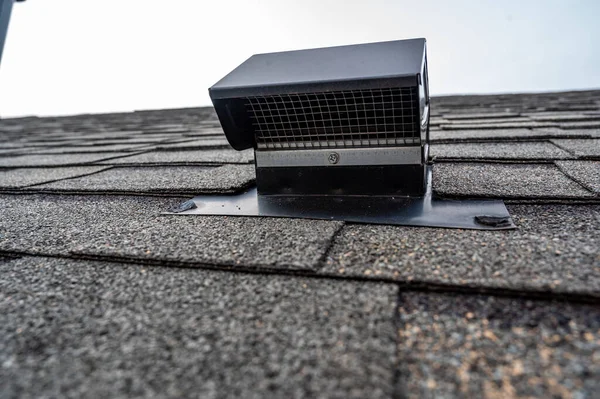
[82, 56]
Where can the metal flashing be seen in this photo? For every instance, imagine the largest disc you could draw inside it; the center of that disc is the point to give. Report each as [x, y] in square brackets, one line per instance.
[425, 211]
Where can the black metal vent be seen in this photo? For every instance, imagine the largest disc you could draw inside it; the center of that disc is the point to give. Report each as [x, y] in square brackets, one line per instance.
[338, 119]
[346, 120]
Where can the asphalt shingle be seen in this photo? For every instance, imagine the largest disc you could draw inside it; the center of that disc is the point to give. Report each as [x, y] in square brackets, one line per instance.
[91, 329]
[504, 181]
[489, 121]
[515, 151]
[506, 125]
[580, 125]
[205, 143]
[581, 148]
[243, 243]
[12, 178]
[455, 346]
[585, 172]
[77, 149]
[186, 158]
[504, 134]
[176, 180]
[480, 115]
[132, 228]
[22, 161]
[556, 249]
[54, 224]
[568, 117]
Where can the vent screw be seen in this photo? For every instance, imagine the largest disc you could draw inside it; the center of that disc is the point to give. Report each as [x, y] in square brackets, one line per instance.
[333, 158]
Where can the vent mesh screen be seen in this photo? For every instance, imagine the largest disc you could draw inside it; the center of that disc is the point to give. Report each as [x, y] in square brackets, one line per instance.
[362, 118]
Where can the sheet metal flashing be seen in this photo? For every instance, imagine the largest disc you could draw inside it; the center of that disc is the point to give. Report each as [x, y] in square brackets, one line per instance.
[425, 211]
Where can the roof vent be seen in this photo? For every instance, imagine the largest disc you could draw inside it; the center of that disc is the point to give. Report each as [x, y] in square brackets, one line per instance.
[338, 133]
[349, 120]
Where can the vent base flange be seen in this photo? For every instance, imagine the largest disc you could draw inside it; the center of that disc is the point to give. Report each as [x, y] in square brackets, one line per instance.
[425, 211]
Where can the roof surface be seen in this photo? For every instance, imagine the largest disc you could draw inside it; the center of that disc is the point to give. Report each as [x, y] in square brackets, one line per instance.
[102, 295]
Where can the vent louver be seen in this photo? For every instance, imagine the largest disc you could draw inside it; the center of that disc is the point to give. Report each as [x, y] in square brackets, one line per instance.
[339, 119]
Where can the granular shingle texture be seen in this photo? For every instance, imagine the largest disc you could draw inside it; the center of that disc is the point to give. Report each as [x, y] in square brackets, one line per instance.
[52, 224]
[581, 148]
[185, 158]
[103, 294]
[504, 181]
[455, 346]
[479, 116]
[221, 241]
[202, 144]
[555, 249]
[163, 180]
[585, 172]
[11, 178]
[134, 229]
[90, 329]
[498, 125]
[498, 135]
[74, 149]
[581, 125]
[540, 151]
[55, 159]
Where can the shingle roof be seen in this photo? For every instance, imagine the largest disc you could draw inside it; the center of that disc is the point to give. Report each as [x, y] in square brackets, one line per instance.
[103, 295]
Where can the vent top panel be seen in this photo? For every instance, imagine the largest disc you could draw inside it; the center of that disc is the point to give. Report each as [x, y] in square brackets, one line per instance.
[392, 59]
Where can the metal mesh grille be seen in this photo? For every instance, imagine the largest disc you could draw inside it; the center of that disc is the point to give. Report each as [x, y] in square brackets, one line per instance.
[342, 119]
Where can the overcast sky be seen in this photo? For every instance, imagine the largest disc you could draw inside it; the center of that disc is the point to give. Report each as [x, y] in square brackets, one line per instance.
[81, 56]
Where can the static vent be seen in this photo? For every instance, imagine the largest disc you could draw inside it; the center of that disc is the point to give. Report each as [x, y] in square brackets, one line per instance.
[339, 119]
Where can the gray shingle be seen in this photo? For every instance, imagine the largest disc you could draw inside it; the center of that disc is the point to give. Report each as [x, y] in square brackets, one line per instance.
[433, 121]
[54, 224]
[91, 329]
[262, 243]
[161, 180]
[504, 181]
[488, 121]
[569, 117]
[585, 172]
[480, 115]
[503, 134]
[556, 249]
[580, 125]
[77, 149]
[12, 178]
[186, 157]
[580, 147]
[507, 125]
[216, 141]
[100, 140]
[133, 228]
[11, 151]
[454, 346]
[55, 159]
[524, 151]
